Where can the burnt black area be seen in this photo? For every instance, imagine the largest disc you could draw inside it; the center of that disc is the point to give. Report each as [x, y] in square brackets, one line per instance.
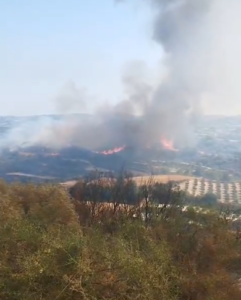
[41, 164]
[44, 164]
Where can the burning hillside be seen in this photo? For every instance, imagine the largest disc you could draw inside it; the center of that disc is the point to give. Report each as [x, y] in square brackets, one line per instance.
[72, 161]
[155, 117]
[111, 151]
[168, 144]
[161, 108]
[165, 144]
[72, 152]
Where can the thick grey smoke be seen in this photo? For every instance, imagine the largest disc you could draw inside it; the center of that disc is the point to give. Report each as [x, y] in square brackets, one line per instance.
[202, 42]
[202, 46]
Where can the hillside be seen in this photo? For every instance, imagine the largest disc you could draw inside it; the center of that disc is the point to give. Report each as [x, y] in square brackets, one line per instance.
[57, 248]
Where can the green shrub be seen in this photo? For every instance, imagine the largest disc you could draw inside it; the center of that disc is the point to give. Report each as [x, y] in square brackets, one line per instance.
[47, 251]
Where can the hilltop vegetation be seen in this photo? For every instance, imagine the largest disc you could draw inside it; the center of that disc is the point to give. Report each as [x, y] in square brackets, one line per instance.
[54, 247]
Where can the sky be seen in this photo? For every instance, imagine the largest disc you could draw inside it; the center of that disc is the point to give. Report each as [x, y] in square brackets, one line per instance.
[46, 45]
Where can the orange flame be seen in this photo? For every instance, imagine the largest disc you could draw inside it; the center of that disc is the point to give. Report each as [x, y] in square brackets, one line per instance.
[168, 144]
[112, 151]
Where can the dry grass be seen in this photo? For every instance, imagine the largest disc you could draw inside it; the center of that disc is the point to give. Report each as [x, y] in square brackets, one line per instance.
[138, 179]
[68, 184]
[162, 178]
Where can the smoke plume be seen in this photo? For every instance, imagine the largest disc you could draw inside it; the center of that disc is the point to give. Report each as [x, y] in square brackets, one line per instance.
[202, 47]
[70, 98]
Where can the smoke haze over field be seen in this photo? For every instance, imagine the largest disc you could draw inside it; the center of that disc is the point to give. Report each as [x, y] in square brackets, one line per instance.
[202, 66]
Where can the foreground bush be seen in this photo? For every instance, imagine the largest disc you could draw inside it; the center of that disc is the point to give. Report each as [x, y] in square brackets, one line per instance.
[48, 251]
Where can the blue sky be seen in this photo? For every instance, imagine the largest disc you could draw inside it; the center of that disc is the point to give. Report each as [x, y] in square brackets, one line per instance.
[45, 44]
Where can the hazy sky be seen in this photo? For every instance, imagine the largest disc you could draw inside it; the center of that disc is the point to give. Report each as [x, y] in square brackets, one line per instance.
[46, 44]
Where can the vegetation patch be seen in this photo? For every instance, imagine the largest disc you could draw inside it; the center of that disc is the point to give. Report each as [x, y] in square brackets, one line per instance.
[137, 243]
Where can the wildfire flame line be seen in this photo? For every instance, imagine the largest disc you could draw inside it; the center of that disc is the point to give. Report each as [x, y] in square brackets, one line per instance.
[111, 151]
[168, 144]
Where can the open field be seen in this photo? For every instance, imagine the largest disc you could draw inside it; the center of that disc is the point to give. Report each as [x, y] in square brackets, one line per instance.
[162, 178]
[141, 179]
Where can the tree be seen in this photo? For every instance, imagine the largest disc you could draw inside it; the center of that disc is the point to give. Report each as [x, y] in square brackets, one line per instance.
[209, 199]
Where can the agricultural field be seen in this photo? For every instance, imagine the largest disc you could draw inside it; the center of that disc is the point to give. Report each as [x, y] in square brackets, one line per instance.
[226, 192]
[140, 179]
[162, 178]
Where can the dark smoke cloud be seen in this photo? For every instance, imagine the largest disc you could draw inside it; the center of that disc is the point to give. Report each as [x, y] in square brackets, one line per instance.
[202, 46]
